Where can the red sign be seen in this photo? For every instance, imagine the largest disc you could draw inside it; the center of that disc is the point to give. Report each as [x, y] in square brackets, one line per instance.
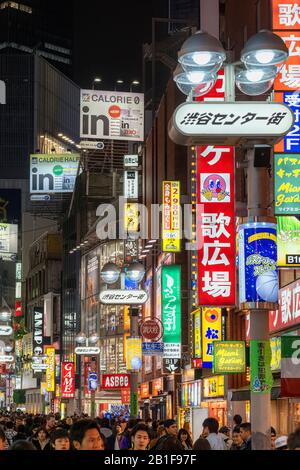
[152, 329]
[196, 363]
[216, 226]
[286, 15]
[288, 314]
[19, 312]
[125, 396]
[115, 381]
[67, 380]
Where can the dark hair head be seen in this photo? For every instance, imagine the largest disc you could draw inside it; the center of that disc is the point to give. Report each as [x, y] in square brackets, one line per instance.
[246, 427]
[22, 445]
[2, 434]
[212, 424]
[185, 432]
[21, 428]
[104, 423]
[140, 427]
[237, 419]
[293, 440]
[48, 417]
[78, 429]
[41, 428]
[9, 425]
[236, 429]
[169, 422]
[201, 444]
[59, 433]
[273, 431]
[172, 443]
[224, 430]
[131, 423]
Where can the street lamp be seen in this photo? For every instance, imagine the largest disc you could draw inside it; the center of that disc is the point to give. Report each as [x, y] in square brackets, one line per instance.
[96, 80]
[135, 272]
[110, 273]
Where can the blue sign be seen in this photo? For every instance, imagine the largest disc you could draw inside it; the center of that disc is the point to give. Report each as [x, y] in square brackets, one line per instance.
[93, 381]
[292, 139]
[258, 271]
[152, 349]
[131, 285]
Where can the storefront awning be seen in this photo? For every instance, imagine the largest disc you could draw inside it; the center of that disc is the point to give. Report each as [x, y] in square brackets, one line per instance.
[244, 395]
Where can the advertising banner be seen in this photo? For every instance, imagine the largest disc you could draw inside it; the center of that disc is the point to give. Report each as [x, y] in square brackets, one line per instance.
[261, 380]
[115, 381]
[288, 241]
[211, 331]
[112, 115]
[275, 344]
[216, 226]
[131, 217]
[8, 239]
[67, 380]
[197, 333]
[258, 272]
[171, 311]
[53, 173]
[229, 357]
[287, 186]
[133, 353]
[288, 314]
[92, 381]
[131, 184]
[171, 219]
[214, 387]
[38, 330]
[50, 371]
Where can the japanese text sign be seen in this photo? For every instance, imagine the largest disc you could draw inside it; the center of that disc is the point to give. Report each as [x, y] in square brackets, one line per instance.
[123, 297]
[287, 184]
[171, 311]
[288, 77]
[288, 314]
[214, 387]
[229, 357]
[171, 220]
[286, 15]
[50, 371]
[197, 333]
[211, 331]
[67, 380]
[260, 360]
[291, 142]
[216, 226]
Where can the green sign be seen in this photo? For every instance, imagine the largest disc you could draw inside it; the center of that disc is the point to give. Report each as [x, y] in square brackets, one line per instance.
[171, 310]
[288, 241]
[287, 184]
[261, 379]
[134, 405]
[229, 357]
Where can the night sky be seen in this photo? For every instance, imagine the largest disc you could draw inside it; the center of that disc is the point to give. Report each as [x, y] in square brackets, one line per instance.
[108, 39]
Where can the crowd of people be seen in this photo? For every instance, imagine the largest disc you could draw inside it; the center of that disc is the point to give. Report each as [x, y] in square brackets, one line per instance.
[51, 433]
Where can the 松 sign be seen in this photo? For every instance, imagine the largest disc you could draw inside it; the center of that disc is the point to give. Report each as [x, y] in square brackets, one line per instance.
[112, 115]
[171, 217]
[211, 331]
[216, 226]
[288, 315]
[171, 311]
[229, 357]
[67, 380]
[123, 297]
[287, 184]
[229, 123]
[53, 173]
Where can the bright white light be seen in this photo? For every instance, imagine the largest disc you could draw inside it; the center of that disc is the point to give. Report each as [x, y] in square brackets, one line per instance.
[202, 58]
[264, 57]
[254, 75]
[195, 77]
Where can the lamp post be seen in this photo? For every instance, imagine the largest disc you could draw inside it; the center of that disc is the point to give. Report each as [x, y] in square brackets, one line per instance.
[200, 58]
[134, 272]
[96, 80]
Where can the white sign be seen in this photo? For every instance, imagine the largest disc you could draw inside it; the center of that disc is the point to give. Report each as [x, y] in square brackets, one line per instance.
[36, 366]
[42, 197]
[2, 92]
[5, 330]
[53, 173]
[5, 359]
[8, 239]
[131, 185]
[211, 123]
[112, 115]
[123, 297]
[91, 145]
[172, 351]
[131, 161]
[87, 351]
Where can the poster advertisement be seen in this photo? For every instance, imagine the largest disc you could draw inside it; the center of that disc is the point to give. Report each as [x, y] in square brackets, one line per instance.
[288, 241]
[53, 173]
[229, 357]
[171, 221]
[112, 115]
[258, 272]
[260, 360]
[171, 311]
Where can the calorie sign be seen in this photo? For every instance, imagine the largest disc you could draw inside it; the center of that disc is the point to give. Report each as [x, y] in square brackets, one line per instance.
[152, 329]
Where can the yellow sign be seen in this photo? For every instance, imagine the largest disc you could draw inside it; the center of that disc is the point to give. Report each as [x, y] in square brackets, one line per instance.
[133, 353]
[43, 388]
[262, 236]
[211, 331]
[171, 224]
[131, 217]
[276, 353]
[126, 319]
[50, 371]
[197, 333]
[214, 387]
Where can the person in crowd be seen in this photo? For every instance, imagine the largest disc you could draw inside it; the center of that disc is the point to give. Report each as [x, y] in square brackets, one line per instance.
[2, 439]
[273, 438]
[245, 429]
[210, 428]
[201, 444]
[21, 434]
[117, 433]
[10, 433]
[185, 439]
[238, 443]
[22, 445]
[281, 443]
[237, 420]
[126, 440]
[171, 431]
[140, 437]
[107, 433]
[85, 434]
[41, 440]
[28, 425]
[123, 424]
[161, 431]
[60, 439]
[171, 443]
[293, 441]
[224, 432]
[50, 423]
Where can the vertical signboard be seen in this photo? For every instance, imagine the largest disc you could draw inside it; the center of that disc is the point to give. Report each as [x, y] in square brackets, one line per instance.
[67, 380]
[131, 217]
[288, 241]
[171, 220]
[131, 184]
[261, 373]
[197, 333]
[38, 330]
[171, 311]
[216, 226]
[211, 331]
[50, 371]
[258, 272]
[133, 353]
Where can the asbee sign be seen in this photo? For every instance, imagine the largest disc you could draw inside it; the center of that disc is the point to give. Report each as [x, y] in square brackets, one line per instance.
[115, 381]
